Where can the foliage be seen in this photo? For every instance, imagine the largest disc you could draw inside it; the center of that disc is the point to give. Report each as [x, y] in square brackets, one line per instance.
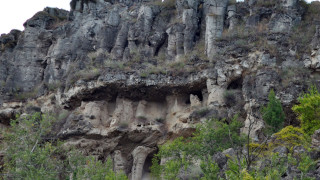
[235, 170]
[306, 164]
[273, 113]
[209, 138]
[87, 74]
[289, 137]
[29, 155]
[308, 110]
[26, 155]
[210, 170]
[274, 167]
[90, 168]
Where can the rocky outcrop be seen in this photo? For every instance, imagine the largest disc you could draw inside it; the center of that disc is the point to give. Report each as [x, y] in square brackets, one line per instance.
[131, 75]
[214, 12]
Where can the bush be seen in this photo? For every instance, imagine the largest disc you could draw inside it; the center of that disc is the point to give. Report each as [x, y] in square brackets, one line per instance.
[28, 155]
[211, 137]
[289, 137]
[273, 113]
[308, 110]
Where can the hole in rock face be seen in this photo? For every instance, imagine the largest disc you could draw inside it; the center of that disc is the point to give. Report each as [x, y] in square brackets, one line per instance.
[146, 174]
[199, 94]
[235, 84]
[195, 93]
[188, 101]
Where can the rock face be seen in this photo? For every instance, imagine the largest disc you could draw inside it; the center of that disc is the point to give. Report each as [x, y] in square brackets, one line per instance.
[131, 75]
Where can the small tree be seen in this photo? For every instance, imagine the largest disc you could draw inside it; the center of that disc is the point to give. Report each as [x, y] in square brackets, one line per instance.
[308, 110]
[29, 156]
[273, 113]
[211, 137]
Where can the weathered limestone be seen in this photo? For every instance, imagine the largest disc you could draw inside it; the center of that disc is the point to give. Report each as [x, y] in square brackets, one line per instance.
[289, 3]
[175, 41]
[215, 11]
[119, 161]
[97, 113]
[121, 41]
[123, 113]
[195, 102]
[233, 21]
[283, 22]
[215, 93]
[254, 126]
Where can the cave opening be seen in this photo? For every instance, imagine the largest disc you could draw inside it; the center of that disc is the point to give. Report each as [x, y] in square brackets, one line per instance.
[235, 84]
[146, 173]
[195, 93]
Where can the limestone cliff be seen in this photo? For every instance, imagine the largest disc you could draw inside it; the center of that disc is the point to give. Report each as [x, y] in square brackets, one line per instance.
[126, 75]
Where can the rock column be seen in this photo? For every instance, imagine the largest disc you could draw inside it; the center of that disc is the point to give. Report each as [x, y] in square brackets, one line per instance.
[215, 11]
[139, 157]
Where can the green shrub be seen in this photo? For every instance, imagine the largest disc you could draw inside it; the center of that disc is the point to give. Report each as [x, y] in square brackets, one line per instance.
[273, 113]
[26, 155]
[29, 155]
[289, 137]
[90, 168]
[308, 110]
[209, 138]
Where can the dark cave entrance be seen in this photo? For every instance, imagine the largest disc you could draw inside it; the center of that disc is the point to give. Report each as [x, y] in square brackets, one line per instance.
[195, 93]
[146, 173]
[235, 84]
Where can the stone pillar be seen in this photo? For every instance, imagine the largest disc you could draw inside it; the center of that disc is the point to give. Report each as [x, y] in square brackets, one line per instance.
[179, 39]
[121, 41]
[139, 154]
[119, 162]
[232, 17]
[190, 20]
[215, 92]
[215, 11]
[171, 49]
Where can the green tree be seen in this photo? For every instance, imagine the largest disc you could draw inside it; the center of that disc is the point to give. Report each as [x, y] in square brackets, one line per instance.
[26, 155]
[29, 156]
[209, 138]
[273, 113]
[308, 110]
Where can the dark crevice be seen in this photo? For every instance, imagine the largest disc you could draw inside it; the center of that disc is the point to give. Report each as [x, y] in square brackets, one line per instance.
[236, 84]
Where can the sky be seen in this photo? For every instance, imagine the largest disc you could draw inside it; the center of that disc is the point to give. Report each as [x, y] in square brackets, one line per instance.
[13, 13]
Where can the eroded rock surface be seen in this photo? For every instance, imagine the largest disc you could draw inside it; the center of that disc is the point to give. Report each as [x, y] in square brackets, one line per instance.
[131, 75]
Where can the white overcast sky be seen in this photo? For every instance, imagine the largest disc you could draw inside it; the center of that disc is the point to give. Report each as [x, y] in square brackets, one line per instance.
[13, 13]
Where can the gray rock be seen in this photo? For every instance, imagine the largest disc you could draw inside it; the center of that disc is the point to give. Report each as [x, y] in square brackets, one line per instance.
[220, 159]
[315, 139]
[298, 150]
[282, 150]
